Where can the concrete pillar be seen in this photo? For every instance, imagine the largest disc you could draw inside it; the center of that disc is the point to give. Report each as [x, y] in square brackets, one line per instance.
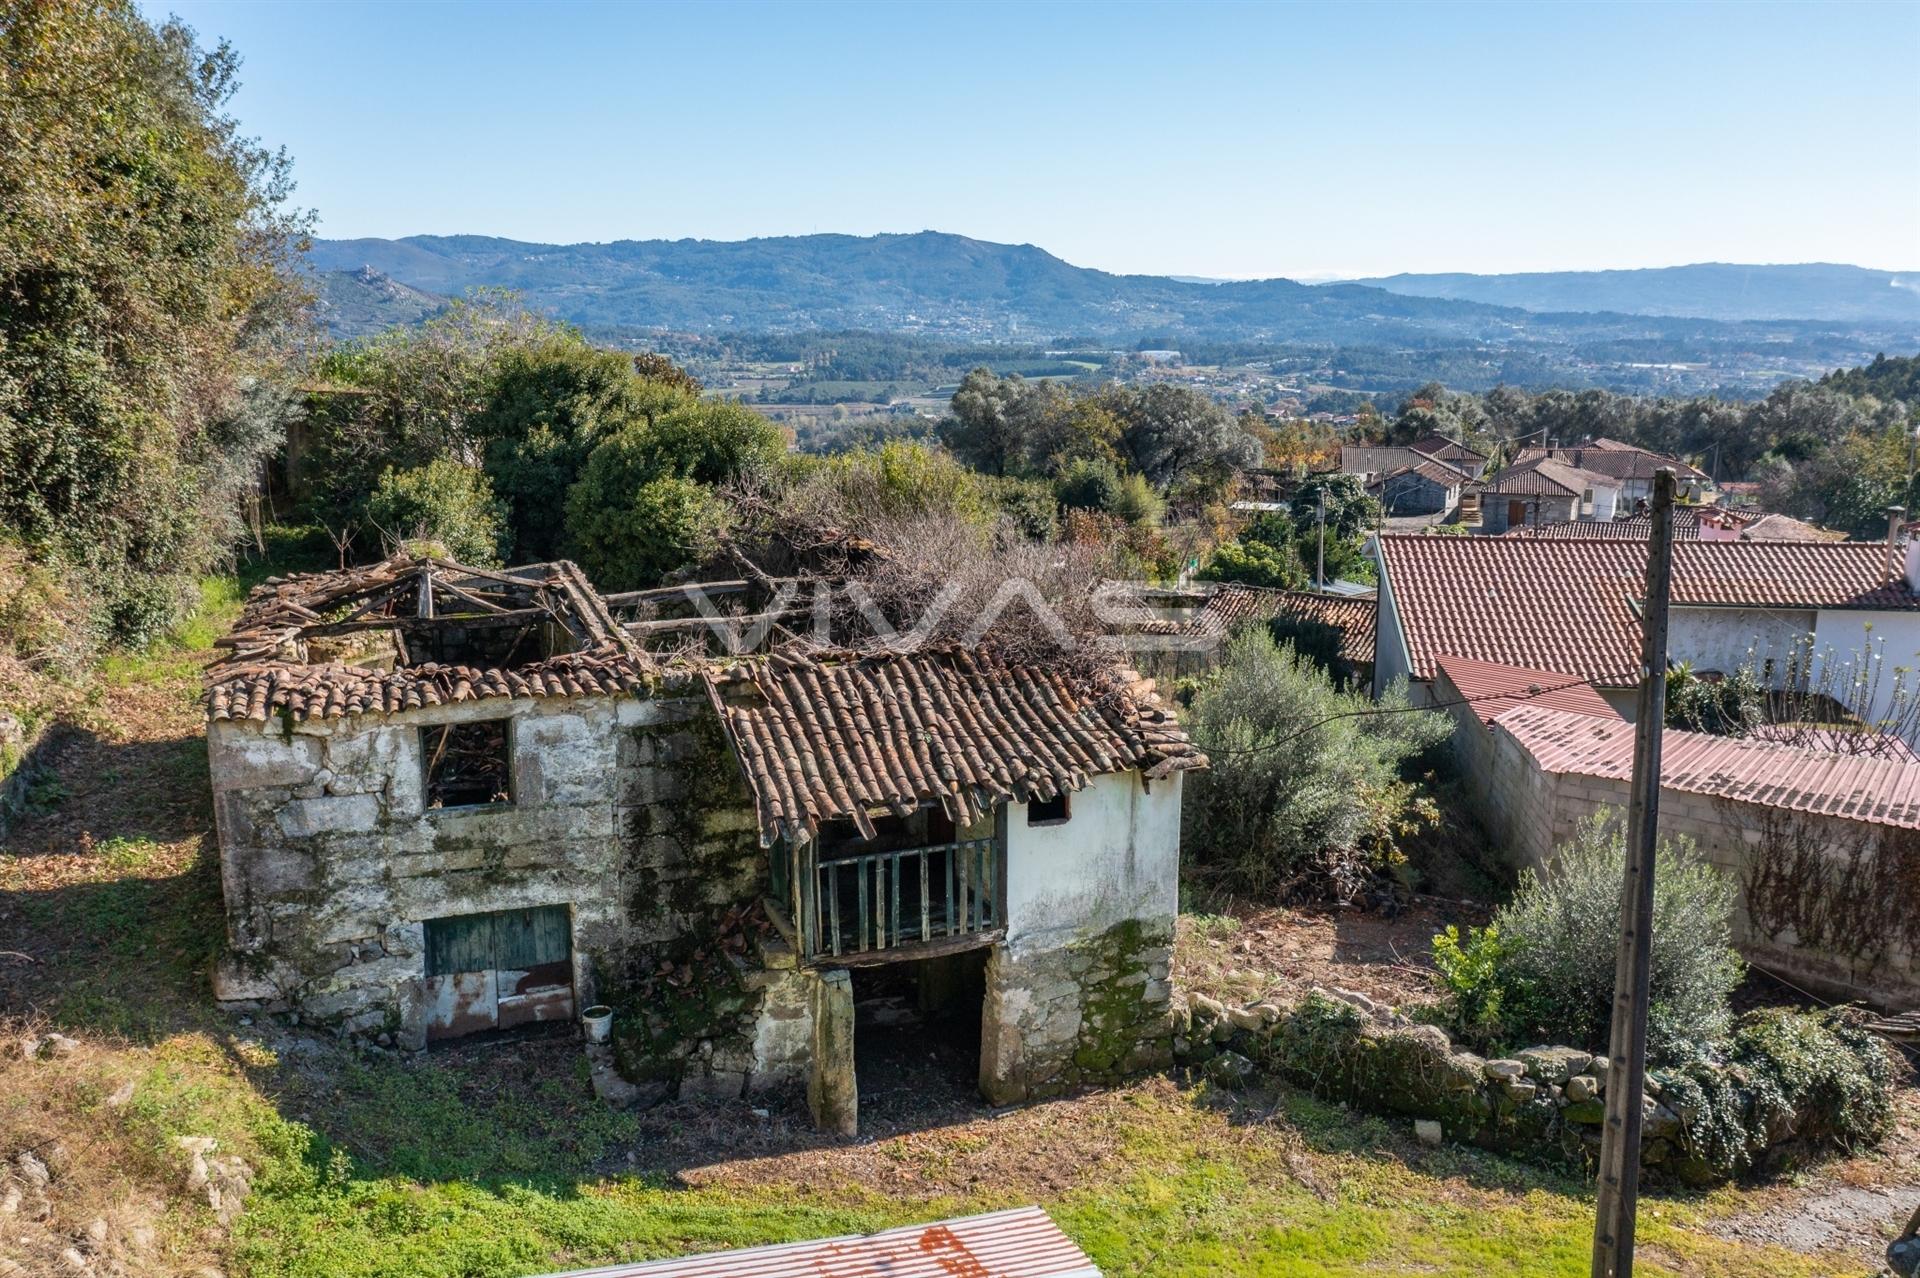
[1002, 1041]
[833, 1093]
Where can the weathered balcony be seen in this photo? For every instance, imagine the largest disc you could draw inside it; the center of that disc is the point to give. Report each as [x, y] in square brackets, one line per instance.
[880, 906]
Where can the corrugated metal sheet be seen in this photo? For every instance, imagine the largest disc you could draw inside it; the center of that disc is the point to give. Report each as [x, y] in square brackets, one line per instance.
[1495, 689]
[1877, 791]
[1022, 1243]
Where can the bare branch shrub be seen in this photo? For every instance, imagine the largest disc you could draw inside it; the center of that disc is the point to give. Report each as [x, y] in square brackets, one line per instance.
[1851, 896]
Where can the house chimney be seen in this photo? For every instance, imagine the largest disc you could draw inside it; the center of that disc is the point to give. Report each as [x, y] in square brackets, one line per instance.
[1895, 516]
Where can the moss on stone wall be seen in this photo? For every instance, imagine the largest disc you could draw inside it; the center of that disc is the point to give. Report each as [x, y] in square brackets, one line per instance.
[1791, 1083]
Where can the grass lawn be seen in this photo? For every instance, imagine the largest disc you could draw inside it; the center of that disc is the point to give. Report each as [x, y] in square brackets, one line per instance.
[498, 1160]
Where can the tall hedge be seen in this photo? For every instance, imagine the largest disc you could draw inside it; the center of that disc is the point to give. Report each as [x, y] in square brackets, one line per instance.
[142, 302]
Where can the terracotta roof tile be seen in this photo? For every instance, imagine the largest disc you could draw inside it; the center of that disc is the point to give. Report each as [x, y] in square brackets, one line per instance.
[1861, 788]
[1611, 457]
[1495, 689]
[833, 737]
[1554, 604]
[1435, 471]
[1543, 476]
[1351, 615]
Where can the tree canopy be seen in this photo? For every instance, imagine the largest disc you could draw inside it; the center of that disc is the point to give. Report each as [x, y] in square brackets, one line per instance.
[143, 306]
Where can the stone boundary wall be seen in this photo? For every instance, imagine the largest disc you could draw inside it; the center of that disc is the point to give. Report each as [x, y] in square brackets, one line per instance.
[1546, 1101]
[1530, 811]
[23, 761]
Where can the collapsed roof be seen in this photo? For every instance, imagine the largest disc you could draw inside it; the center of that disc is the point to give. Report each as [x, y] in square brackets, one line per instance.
[821, 735]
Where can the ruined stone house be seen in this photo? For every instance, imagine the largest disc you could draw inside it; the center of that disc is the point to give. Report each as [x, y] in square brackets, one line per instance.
[452, 801]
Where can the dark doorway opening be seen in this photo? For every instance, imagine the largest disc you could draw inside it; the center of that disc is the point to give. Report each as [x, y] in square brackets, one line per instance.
[916, 1036]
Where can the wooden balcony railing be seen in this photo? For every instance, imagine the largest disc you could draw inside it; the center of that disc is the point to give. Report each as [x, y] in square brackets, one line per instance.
[882, 901]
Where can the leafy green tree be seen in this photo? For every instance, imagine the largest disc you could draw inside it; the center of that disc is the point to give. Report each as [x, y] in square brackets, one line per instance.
[628, 536]
[1255, 563]
[445, 503]
[547, 401]
[1088, 484]
[992, 420]
[1169, 432]
[143, 247]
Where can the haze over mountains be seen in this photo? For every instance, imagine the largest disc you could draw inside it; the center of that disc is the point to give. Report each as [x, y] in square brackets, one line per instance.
[950, 285]
[1709, 290]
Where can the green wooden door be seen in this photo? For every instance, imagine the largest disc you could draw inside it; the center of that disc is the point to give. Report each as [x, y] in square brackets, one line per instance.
[499, 969]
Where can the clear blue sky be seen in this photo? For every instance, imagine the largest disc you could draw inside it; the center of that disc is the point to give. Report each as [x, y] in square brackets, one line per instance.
[1229, 140]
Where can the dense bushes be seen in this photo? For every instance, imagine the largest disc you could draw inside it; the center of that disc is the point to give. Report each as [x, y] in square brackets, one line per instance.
[445, 503]
[1543, 970]
[1305, 791]
[143, 312]
[1283, 550]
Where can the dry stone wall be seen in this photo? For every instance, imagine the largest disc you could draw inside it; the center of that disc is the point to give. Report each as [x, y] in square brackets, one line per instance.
[1701, 1125]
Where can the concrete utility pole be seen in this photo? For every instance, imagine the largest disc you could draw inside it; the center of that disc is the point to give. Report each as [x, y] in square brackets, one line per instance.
[1627, 1052]
[1320, 572]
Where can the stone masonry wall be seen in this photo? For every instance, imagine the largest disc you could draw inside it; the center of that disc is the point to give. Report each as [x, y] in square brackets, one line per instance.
[1702, 1123]
[1090, 1011]
[331, 862]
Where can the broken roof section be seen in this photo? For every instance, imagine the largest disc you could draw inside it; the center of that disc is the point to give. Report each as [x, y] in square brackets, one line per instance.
[820, 736]
[415, 631]
[835, 737]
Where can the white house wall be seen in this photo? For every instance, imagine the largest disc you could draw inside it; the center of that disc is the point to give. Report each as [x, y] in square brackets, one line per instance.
[1724, 638]
[1894, 637]
[1116, 859]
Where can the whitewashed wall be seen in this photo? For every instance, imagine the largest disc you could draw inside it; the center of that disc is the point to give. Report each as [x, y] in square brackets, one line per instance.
[1117, 858]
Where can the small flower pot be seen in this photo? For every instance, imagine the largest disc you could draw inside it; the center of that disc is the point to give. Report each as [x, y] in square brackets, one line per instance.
[598, 1022]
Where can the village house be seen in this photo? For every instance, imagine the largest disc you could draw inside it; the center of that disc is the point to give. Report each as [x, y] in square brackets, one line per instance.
[1690, 523]
[1825, 844]
[1422, 488]
[1628, 467]
[1541, 490]
[452, 800]
[1573, 605]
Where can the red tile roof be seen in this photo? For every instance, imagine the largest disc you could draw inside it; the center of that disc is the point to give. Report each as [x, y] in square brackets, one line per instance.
[1860, 788]
[1611, 457]
[1687, 522]
[1351, 615]
[1437, 472]
[1552, 604]
[1021, 1243]
[831, 737]
[1544, 477]
[1495, 689]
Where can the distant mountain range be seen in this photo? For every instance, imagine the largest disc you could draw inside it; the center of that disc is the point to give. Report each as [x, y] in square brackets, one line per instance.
[952, 286]
[1709, 290]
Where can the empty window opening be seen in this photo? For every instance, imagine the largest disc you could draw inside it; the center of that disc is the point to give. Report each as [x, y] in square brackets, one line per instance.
[468, 764]
[1054, 811]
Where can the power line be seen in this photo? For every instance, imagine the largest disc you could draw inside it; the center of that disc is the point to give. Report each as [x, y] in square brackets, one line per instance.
[1531, 692]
